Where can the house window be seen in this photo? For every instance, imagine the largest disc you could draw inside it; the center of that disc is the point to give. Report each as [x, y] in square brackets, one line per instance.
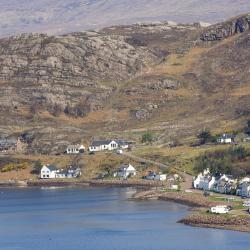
[47, 176]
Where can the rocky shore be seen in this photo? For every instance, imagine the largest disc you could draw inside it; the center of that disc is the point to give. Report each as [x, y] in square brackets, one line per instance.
[200, 204]
[226, 222]
[74, 182]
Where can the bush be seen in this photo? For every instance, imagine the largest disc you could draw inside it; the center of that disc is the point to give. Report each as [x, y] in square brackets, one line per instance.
[147, 137]
[14, 166]
[221, 161]
[37, 167]
[205, 137]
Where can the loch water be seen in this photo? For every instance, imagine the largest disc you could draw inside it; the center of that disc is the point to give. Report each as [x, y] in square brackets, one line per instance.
[101, 218]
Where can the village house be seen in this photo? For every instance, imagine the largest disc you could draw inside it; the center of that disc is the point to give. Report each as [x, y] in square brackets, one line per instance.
[156, 177]
[48, 172]
[225, 185]
[226, 139]
[125, 171]
[102, 145]
[205, 181]
[75, 149]
[245, 190]
[74, 172]
[51, 172]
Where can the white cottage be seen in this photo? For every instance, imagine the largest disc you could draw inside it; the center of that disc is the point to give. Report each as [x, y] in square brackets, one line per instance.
[75, 149]
[245, 190]
[103, 145]
[204, 181]
[48, 172]
[125, 171]
[226, 139]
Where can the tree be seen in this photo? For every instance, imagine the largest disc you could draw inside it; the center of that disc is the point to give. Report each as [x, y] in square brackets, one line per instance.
[205, 136]
[147, 137]
[37, 167]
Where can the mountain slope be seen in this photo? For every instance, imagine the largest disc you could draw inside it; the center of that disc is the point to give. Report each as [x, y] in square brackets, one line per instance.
[124, 80]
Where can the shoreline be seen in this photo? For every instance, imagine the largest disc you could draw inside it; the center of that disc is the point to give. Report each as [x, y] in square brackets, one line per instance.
[85, 183]
[199, 205]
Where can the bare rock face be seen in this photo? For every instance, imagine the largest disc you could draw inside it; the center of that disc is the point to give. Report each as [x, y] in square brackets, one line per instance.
[227, 29]
[74, 58]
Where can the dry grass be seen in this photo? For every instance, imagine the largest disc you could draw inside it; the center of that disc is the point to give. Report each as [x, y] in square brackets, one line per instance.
[178, 64]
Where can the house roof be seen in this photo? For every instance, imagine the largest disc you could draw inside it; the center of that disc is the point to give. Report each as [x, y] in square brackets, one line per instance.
[51, 167]
[121, 142]
[100, 142]
[126, 166]
[106, 142]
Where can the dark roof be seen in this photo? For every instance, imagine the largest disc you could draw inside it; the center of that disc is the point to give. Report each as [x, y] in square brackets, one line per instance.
[121, 142]
[99, 143]
[51, 167]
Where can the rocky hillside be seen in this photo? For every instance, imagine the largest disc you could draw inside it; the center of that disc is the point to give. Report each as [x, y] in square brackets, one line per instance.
[123, 80]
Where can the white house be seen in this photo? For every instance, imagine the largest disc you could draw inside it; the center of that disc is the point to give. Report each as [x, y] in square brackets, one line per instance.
[205, 181]
[74, 172]
[245, 189]
[51, 172]
[75, 149]
[125, 171]
[61, 173]
[107, 145]
[156, 177]
[103, 145]
[48, 172]
[226, 139]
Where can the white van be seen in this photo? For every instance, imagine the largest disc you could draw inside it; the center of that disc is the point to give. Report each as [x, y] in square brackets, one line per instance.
[220, 210]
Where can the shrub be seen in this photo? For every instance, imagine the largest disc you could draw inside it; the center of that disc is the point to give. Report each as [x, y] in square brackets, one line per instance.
[147, 137]
[221, 161]
[205, 137]
[14, 166]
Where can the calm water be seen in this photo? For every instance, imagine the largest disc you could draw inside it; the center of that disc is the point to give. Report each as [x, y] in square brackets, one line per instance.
[101, 219]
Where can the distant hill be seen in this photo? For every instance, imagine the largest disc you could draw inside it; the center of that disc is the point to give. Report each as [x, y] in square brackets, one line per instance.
[57, 16]
[173, 80]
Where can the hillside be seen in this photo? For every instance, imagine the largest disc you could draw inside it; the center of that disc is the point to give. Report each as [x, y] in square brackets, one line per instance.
[120, 81]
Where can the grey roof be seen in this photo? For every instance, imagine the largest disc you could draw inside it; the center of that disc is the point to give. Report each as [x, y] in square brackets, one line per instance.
[51, 167]
[99, 143]
[120, 142]
[106, 142]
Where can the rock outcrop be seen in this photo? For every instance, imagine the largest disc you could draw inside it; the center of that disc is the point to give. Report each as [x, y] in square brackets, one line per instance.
[227, 29]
